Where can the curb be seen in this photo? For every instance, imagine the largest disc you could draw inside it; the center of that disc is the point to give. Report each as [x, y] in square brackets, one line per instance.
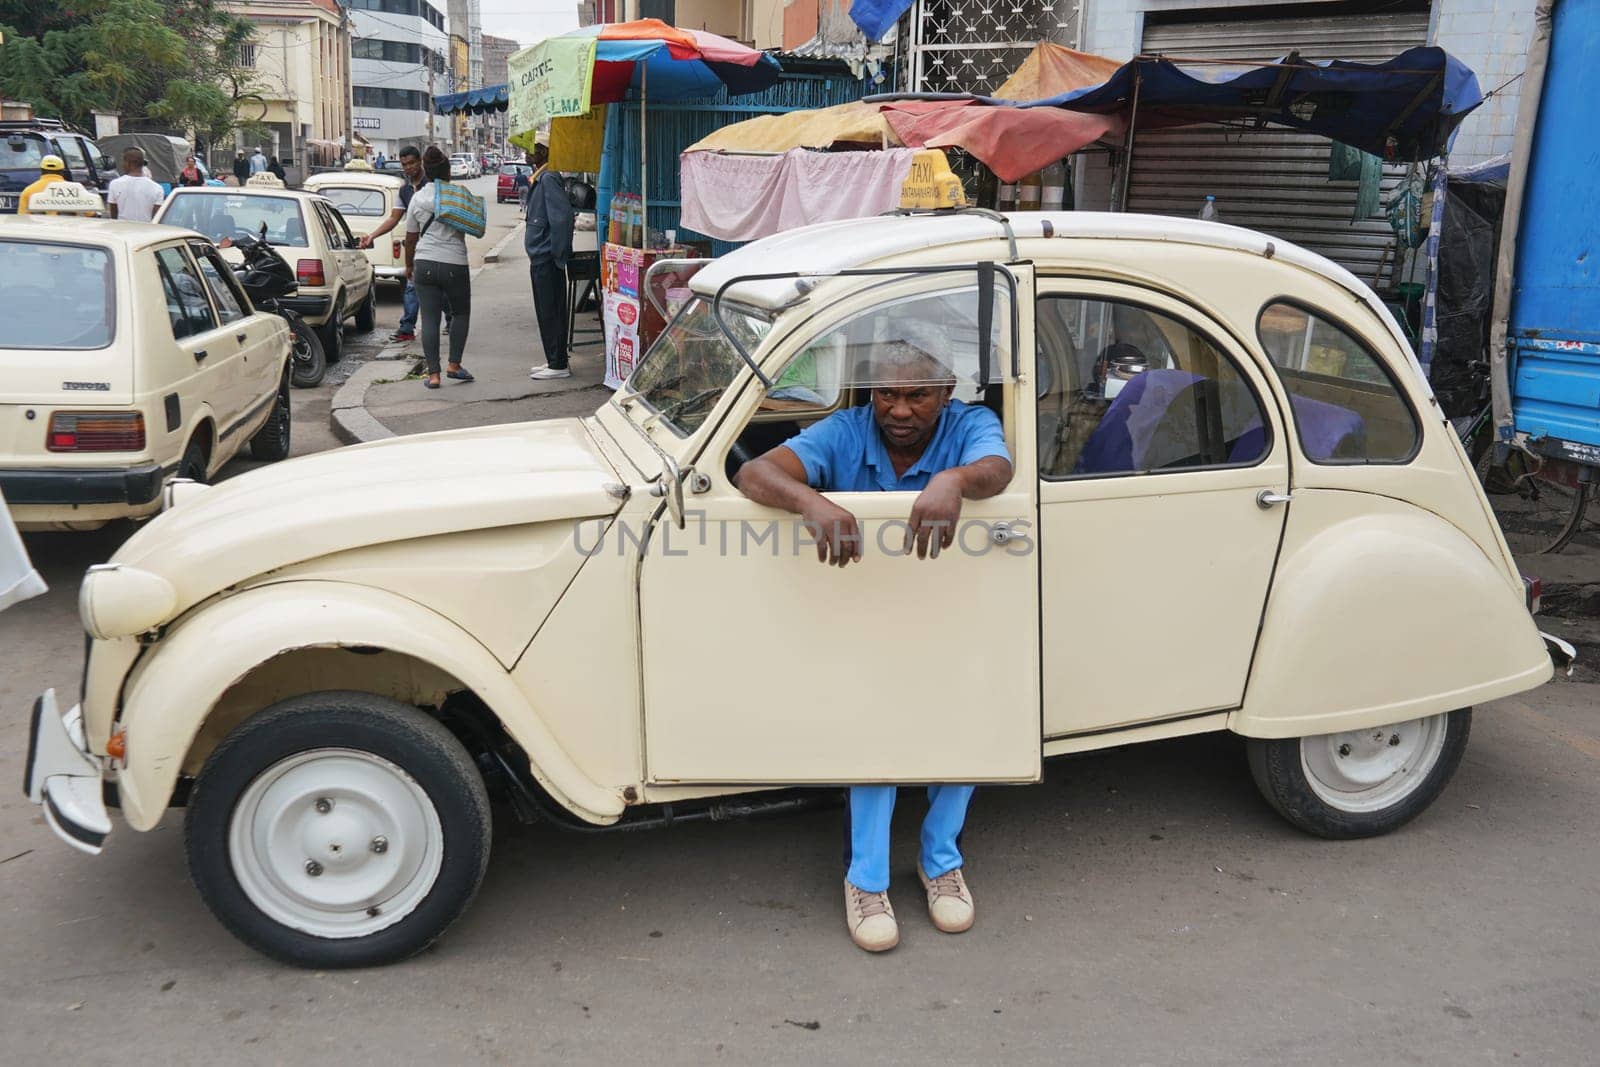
[351, 421]
[493, 255]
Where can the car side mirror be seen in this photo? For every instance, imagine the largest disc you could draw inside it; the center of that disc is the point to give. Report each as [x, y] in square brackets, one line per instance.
[670, 485]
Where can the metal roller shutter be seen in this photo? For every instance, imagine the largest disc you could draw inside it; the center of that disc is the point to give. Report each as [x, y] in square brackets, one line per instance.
[1273, 180]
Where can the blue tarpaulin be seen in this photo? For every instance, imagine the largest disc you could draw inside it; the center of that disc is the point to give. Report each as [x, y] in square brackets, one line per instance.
[473, 101]
[1405, 108]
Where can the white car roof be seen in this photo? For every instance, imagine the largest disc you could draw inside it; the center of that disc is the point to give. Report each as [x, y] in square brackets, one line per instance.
[353, 179]
[107, 233]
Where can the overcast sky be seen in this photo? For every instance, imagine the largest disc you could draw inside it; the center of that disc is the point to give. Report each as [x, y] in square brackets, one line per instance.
[527, 21]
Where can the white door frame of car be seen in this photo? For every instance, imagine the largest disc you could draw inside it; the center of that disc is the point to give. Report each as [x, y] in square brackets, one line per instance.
[1153, 585]
[799, 649]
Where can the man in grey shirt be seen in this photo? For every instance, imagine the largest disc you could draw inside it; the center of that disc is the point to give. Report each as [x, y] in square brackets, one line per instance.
[548, 240]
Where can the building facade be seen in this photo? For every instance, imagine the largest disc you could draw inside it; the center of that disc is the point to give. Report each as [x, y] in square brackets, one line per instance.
[496, 50]
[299, 59]
[400, 62]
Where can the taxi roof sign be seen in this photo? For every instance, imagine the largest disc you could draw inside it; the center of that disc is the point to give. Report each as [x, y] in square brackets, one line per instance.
[931, 183]
[66, 198]
[266, 179]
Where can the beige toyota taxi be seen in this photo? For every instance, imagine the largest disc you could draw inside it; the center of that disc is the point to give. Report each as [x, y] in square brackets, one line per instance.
[131, 356]
[364, 199]
[306, 229]
[1235, 506]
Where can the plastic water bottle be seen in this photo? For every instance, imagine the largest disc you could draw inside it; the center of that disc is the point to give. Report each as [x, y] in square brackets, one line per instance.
[1208, 210]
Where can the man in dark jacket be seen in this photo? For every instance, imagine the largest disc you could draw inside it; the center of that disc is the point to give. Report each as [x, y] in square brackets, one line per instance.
[241, 167]
[548, 239]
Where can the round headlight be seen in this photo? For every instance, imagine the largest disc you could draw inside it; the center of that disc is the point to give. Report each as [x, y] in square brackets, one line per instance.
[119, 601]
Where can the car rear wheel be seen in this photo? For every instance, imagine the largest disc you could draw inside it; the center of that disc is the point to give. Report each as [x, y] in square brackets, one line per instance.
[338, 829]
[1361, 783]
[367, 312]
[333, 332]
[196, 457]
[271, 442]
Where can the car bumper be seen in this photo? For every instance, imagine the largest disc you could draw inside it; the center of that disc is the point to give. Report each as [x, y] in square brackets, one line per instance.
[63, 777]
[389, 274]
[66, 485]
[314, 309]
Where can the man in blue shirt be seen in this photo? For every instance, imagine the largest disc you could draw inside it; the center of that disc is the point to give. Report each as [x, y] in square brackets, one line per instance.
[913, 437]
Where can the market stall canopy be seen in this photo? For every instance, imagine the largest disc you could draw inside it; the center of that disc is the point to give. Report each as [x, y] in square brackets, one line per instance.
[473, 101]
[854, 124]
[1402, 109]
[1053, 69]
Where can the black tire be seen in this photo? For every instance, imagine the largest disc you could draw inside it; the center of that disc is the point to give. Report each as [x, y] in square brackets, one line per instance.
[271, 442]
[1280, 774]
[196, 455]
[308, 362]
[333, 332]
[371, 725]
[367, 313]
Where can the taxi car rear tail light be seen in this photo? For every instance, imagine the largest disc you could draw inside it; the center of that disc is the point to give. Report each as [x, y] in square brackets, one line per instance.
[309, 272]
[95, 431]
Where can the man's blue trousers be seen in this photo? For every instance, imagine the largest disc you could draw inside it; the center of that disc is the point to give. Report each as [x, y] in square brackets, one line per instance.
[871, 809]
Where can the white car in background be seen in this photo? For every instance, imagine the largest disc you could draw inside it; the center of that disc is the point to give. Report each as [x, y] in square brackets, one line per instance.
[463, 166]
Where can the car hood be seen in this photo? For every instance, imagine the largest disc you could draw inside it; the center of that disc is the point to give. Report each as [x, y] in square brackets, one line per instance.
[392, 490]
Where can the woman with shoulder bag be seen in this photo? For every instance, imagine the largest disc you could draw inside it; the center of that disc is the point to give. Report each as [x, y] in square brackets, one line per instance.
[436, 262]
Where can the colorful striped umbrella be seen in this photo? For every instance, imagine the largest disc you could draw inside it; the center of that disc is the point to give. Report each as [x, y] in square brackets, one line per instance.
[566, 75]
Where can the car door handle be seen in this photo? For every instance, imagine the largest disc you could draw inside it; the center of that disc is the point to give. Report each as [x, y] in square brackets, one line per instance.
[200, 354]
[1268, 497]
[241, 337]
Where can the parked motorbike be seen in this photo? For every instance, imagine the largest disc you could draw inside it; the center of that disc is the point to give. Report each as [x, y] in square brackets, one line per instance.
[267, 277]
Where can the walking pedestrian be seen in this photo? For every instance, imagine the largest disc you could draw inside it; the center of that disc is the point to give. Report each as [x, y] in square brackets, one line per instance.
[415, 178]
[134, 197]
[436, 260]
[241, 167]
[190, 174]
[547, 236]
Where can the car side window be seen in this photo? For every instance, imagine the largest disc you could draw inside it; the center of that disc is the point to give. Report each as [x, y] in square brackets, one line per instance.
[187, 307]
[1347, 406]
[329, 227]
[346, 238]
[231, 302]
[1124, 389]
[72, 152]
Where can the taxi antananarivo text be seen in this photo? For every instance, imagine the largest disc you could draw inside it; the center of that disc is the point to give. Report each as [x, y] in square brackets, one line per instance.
[131, 357]
[364, 198]
[335, 276]
[1235, 506]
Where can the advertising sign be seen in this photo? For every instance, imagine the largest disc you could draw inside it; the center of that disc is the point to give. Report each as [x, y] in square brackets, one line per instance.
[549, 80]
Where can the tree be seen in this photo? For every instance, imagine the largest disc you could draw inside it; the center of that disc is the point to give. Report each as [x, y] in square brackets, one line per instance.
[170, 65]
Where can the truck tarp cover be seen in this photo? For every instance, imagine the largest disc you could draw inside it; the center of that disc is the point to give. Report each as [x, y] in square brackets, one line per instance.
[1468, 243]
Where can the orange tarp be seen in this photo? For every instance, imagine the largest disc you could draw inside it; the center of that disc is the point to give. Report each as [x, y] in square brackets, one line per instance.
[1051, 70]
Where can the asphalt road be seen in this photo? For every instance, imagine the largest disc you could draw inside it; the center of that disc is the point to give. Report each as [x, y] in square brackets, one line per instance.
[1142, 905]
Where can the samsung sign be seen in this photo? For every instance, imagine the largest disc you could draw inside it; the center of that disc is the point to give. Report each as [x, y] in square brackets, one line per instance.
[364, 123]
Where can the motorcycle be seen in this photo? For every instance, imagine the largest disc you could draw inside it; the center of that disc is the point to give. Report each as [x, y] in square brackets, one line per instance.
[267, 277]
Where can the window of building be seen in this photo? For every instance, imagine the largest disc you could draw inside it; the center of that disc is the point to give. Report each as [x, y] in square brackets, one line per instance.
[1127, 390]
[247, 54]
[1347, 406]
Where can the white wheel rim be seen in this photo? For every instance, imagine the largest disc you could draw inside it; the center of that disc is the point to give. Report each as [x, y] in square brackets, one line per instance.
[335, 843]
[1363, 771]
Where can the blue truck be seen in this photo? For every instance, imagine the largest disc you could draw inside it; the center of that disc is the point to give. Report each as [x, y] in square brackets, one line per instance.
[1545, 332]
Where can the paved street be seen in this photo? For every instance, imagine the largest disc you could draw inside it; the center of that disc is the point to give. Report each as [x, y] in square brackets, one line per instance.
[1140, 906]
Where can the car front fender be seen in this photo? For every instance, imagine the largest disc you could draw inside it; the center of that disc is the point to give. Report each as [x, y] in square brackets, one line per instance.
[178, 683]
[1381, 612]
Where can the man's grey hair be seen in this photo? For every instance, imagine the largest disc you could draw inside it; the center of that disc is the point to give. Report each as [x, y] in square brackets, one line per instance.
[902, 360]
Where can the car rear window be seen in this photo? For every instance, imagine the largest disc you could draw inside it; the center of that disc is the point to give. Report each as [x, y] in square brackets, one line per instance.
[21, 151]
[356, 201]
[56, 296]
[515, 169]
[227, 215]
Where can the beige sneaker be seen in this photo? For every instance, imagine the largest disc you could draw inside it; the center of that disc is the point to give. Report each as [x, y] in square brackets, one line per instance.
[949, 901]
[870, 917]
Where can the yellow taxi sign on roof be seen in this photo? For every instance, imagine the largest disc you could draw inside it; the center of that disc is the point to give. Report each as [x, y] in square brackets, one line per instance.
[265, 179]
[931, 183]
[66, 198]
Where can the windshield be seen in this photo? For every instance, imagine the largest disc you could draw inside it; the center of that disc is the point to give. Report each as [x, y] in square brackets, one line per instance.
[352, 201]
[21, 151]
[691, 364]
[219, 216]
[55, 296]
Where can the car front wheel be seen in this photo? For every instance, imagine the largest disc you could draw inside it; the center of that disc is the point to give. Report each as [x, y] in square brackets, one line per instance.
[338, 829]
[1361, 783]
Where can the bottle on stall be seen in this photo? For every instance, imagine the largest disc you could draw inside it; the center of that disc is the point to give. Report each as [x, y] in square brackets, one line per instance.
[1053, 193]
[1208, 210]
[1007, 199]
[1028, 192]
